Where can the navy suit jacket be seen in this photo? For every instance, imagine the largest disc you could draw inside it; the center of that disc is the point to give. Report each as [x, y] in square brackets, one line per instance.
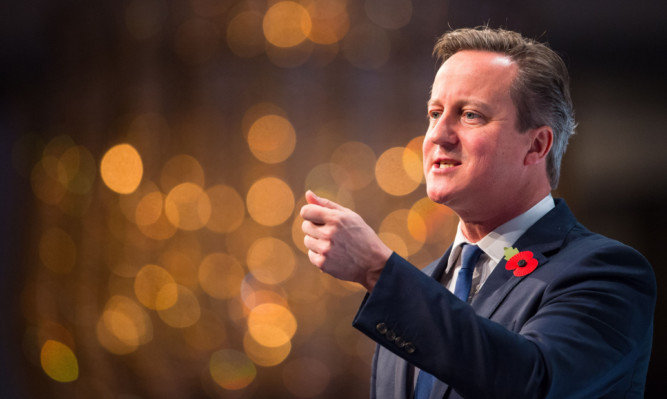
[579, 326]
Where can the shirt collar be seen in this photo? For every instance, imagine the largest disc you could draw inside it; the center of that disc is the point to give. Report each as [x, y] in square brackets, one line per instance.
[505, 235]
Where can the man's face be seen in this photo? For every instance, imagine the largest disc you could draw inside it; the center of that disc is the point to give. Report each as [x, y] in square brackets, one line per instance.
[473, 152]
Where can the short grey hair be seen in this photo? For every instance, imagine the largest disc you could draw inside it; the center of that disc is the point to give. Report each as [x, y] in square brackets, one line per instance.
[540, 90]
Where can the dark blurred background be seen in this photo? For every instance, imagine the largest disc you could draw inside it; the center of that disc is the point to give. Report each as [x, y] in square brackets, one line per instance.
[155, 156]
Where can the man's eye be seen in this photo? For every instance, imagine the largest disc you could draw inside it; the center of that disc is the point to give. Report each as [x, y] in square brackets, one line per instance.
[434, 114]
[470, 115]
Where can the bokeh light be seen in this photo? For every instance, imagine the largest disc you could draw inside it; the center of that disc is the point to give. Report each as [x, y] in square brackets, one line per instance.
[270, 260]
[271, 324]
[221, 275]
[286, 24]
[59, 362]
[397, 223]
[187, 206]
[353, 165]
[331, 21]
[271, 138]
[270, 201]
[180, 169]
[265, 356]
[122, 169]
[155, 287]
[184, 312]
[227, 209]
[391, 173]
[244, 34]
[231, 369]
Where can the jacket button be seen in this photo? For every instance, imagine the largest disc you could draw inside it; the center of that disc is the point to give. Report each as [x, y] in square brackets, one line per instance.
[382, 328]
[409, 348]
[391, 335]
[400, 342]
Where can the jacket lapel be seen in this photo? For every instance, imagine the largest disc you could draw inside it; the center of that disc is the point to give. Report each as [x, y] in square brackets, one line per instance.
[544, 237]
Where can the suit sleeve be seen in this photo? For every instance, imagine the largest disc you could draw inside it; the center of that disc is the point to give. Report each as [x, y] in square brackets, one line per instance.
[576, 327]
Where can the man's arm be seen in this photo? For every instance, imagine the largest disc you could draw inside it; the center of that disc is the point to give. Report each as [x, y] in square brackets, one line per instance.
[578, 327]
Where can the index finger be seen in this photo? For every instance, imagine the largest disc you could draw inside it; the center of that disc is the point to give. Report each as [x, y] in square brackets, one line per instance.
[314, 213]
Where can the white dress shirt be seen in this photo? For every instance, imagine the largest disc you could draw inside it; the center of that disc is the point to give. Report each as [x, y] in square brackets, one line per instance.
[493, 245]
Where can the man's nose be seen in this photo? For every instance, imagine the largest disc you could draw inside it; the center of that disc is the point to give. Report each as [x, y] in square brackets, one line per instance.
[444, 131]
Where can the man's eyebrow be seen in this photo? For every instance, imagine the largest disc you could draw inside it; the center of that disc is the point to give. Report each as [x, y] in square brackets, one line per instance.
[463, 101]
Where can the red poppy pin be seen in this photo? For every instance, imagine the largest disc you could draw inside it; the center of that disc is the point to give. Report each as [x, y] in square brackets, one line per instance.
[523, 263]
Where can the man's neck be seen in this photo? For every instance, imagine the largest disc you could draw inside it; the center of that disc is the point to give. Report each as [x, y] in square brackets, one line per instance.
[476, 227]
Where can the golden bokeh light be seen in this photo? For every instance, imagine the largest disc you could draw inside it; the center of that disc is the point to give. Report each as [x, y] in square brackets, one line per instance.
[227, 209]
[162, 229]
[231, 369]
[412, 159]
[257, 111]
[397, 223]
[263, 355]
[59, 361]
[271, 139]
[330, 20]
[306, 377]
[220, 275]
[270, 201]
[57, 250]
[355, 163]
[270, 260]
[128, 203]
[271, 324]
[127, 321]
[188, 207]
[286, 24]
[184, 312]
[391, 174]
[389, 14]
[122, 168]
[244, 34]
[431, 222]
[149, 209]
[155, 287]
[254, 296]
[110, 342]
[367, 47]
[180, 169]
[395, 242]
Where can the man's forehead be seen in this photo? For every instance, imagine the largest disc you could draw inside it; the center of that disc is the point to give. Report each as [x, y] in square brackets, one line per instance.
[480, 56]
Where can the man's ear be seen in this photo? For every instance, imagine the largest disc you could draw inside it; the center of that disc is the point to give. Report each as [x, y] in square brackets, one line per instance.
[541, 142]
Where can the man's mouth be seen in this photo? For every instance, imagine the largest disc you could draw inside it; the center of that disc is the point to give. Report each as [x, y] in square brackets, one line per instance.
[446, 164]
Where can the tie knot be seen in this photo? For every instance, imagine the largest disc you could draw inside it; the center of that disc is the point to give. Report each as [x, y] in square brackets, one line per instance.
[469, 255]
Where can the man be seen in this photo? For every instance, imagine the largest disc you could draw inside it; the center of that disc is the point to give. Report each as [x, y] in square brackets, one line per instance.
[551, 310]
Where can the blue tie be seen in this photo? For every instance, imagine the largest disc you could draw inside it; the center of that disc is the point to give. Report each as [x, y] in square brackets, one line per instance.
[469, 255]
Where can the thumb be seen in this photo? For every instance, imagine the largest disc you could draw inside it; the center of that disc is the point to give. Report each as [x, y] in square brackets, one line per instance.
[313, 199]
